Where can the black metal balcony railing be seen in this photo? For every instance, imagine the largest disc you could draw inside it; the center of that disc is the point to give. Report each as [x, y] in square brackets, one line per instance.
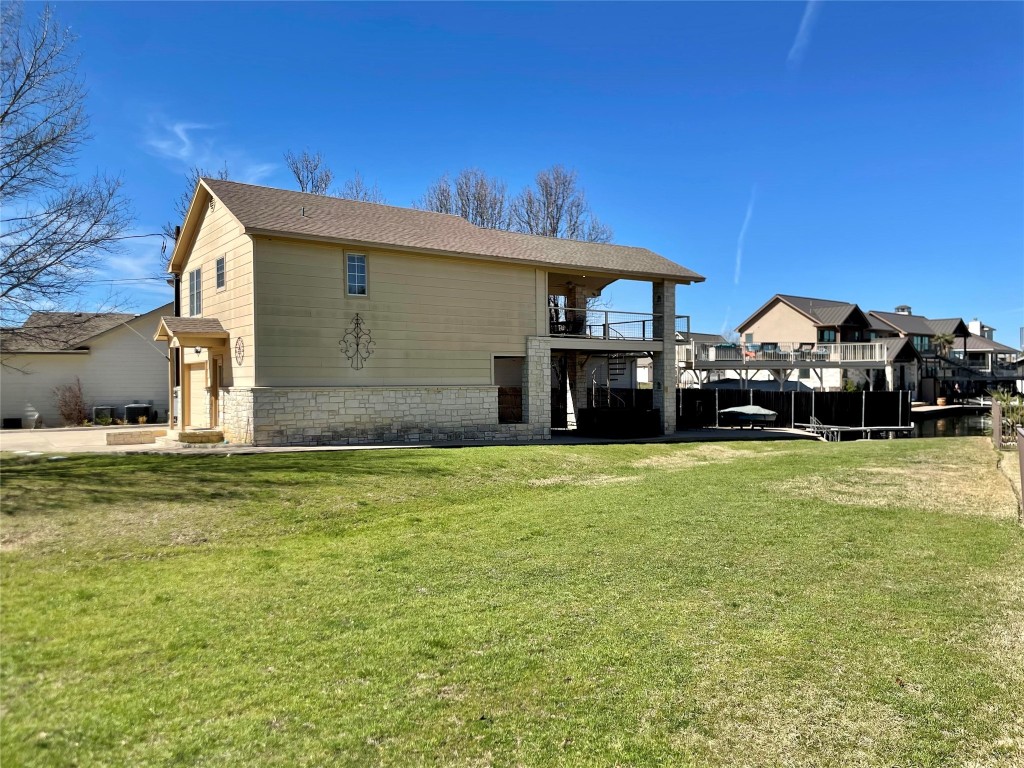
[608, 324]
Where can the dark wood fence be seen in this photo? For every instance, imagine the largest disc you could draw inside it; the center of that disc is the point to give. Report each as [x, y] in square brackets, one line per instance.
[510, 405]
[697, 408]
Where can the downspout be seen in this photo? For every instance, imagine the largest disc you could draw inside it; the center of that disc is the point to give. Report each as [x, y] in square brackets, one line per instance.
[175, 353]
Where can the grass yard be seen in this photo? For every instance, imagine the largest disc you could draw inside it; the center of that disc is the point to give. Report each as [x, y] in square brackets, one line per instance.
[762, 604]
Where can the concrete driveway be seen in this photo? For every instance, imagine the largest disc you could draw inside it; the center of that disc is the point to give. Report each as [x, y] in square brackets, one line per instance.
[71, 440]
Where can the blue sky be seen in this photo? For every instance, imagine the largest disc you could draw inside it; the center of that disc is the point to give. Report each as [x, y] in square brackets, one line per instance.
[867, 152]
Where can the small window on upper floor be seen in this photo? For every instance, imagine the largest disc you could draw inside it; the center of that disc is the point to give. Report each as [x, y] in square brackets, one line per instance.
[826, 335]
[195, 292]
[355, 274]
[222, 278]
[748, 338]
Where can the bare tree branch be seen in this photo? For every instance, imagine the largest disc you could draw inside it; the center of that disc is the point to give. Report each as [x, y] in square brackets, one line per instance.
[184, 200]
[557, 207]
[357, 189]
[52, 226]
[310, 171]
[474, 196]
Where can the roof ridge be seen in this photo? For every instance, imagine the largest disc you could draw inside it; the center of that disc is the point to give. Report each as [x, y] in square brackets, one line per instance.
[335, 197]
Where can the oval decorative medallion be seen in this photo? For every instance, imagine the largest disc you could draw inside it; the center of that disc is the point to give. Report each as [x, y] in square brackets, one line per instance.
[239, 350]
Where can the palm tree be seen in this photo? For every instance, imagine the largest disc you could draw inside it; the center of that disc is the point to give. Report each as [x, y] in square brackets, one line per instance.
[943, 343]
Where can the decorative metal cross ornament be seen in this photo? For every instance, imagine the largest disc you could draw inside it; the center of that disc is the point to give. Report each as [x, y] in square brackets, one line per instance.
[357, 344]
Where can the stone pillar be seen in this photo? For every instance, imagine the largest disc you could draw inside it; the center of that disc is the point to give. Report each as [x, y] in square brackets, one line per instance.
[537, 386]
[663, 372]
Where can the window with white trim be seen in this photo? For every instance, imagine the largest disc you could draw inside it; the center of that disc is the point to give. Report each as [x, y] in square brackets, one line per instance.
[195, 292]
[221, 272]
[355, 274]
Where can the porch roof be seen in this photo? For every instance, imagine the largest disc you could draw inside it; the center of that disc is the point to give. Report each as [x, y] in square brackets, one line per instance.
[191, 332]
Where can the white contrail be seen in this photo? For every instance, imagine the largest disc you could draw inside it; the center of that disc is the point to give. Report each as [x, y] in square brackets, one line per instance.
[743, 235]
[803, 35]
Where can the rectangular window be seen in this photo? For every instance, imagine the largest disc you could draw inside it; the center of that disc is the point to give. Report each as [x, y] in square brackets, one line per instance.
[221, 273]
[805, 373]
[355, 273]
[195, 292]
[748, 338]
[827, 335]
[922, 343]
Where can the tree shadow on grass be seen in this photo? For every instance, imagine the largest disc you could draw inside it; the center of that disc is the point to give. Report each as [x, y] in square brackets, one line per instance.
[85, 480]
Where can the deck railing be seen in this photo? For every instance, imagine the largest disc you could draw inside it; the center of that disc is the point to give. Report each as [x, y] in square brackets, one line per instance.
[608, 324]
[793, 353]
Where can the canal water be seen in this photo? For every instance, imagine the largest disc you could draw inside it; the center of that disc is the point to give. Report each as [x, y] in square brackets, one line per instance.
[961, 425]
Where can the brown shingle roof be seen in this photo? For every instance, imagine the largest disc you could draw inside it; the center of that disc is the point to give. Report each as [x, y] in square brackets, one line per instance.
[59, 331]
[199, 326]
[266, 210]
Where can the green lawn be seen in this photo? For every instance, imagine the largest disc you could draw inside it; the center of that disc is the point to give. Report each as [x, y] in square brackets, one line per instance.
[745, 604]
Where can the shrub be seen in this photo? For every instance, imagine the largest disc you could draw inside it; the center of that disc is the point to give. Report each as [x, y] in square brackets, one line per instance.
[71, 403]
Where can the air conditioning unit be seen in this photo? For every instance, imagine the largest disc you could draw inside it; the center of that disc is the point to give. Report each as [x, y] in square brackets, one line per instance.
[133, 411]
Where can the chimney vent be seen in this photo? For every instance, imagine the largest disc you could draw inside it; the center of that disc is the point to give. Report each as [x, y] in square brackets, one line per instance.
[903, 309]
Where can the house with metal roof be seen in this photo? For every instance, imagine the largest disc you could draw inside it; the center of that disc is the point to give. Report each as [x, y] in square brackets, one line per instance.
[304, 319]
[109, 353]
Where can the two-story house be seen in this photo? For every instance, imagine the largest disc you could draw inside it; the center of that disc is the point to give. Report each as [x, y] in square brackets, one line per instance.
[314, 320]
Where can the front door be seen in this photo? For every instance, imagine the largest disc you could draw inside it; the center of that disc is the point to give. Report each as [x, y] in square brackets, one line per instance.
[198, 398]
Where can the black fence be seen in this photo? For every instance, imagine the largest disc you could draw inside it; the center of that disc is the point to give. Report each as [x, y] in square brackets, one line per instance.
[604, 397]
[696, 408]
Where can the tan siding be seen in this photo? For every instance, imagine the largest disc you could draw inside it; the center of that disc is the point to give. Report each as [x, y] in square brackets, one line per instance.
[781, 323]
[120, 368]
[220, 234]
[432, 320]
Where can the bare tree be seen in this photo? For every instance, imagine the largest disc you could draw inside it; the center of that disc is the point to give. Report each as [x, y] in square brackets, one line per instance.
[357, 189]
[310, 171]
[557, 207]
[184, 200]
[53, 226]
[474, 196]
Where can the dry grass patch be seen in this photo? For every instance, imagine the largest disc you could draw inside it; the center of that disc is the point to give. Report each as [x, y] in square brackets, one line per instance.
[692, 456]
[968, 482]
[583, 480]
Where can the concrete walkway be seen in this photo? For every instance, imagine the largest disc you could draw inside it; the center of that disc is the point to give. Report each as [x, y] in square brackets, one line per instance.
[94, 440]
[69, 440]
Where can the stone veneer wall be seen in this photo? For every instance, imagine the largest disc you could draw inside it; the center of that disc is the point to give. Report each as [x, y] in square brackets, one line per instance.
[236, 414]
[355, 415]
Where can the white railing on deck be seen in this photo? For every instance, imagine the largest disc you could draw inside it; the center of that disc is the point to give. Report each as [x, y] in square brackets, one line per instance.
[793, 353]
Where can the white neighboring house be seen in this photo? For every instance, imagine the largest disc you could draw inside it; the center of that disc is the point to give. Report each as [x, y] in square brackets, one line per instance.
[111, 353]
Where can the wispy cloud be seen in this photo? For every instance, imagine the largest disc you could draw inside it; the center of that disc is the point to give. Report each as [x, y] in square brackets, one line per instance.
[743, 235]
[192, 144]
[803, 35]
[725, 322]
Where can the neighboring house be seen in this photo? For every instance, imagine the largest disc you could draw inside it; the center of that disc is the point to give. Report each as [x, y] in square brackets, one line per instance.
[816, 343]
[309, 319]
[110, 353]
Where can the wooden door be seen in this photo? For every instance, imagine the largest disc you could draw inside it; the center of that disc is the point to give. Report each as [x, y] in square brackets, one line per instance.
[198, 397]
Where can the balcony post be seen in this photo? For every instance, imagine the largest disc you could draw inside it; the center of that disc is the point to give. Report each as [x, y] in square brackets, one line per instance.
[664, 375]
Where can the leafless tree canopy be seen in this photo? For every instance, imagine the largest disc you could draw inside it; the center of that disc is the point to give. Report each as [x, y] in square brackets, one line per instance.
[357, 189]
[555, 206]
[310, 171]
[53, 226]
[473, 195]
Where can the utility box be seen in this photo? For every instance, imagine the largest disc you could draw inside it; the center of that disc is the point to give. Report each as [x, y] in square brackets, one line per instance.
[102, 413]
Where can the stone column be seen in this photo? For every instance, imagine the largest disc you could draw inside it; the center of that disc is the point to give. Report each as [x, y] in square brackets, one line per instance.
[537, 386]
[663, 372]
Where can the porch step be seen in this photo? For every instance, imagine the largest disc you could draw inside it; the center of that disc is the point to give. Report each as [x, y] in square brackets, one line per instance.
[192, 438]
